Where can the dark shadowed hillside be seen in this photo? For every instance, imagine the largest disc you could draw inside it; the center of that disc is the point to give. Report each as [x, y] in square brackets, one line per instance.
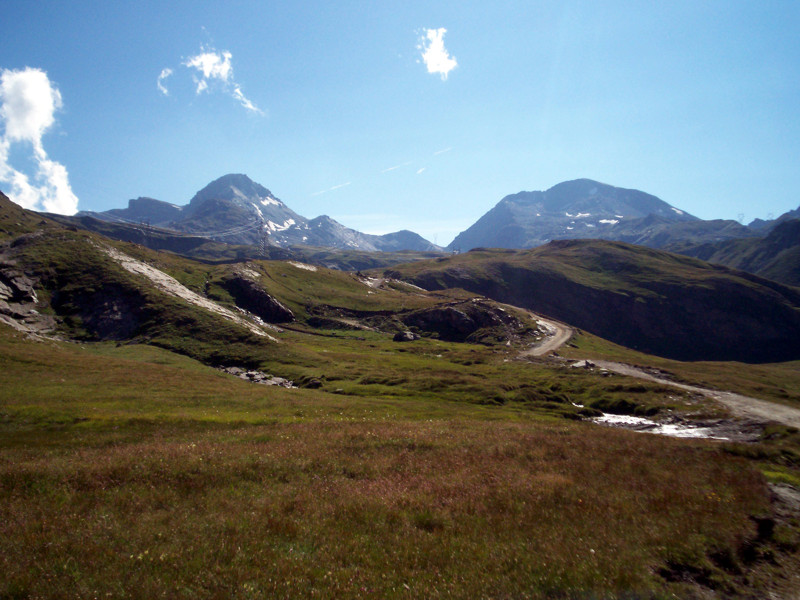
[775, 256]
[651, 300]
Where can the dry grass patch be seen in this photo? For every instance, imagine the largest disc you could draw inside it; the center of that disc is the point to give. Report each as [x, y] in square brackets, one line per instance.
[373, 509]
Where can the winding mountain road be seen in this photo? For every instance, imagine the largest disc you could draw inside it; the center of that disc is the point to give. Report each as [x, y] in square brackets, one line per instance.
[741, 406]
[558, 334]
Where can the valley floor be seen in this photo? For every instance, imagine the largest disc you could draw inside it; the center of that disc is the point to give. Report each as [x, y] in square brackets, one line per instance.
[199, 484]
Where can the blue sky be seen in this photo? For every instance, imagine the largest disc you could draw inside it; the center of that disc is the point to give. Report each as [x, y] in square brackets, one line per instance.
[332, 107]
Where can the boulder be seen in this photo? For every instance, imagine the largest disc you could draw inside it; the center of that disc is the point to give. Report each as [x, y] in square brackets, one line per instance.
[405, 336]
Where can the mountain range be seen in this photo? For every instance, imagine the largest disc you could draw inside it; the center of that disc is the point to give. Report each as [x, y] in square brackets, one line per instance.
[244, 214]
[583, 208]
[236, 210]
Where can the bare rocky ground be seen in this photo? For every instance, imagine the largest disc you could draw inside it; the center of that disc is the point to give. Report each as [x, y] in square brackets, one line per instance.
[18, 302]
[258, 377]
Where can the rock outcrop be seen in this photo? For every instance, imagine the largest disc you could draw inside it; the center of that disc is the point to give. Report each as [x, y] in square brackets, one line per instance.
[18, 302]
[464, 321]
[250, 296]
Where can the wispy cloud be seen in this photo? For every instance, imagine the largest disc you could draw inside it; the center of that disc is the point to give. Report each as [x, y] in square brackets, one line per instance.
[165, 73]
[212, 70]
[436, 57]
[336, 187]
[405, 164]
[420, 170]
[438, 152]
[28, 103]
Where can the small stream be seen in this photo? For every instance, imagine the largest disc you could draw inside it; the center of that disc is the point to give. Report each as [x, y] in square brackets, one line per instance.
[676, 429]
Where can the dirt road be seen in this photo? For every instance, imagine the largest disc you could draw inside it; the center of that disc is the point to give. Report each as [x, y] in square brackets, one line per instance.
[557, 335]
[741, 406]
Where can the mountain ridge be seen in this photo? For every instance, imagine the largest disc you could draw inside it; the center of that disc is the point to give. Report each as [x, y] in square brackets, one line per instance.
[235, 209]
[573, 209]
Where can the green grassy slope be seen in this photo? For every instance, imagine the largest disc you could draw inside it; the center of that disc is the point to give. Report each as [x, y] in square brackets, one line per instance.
[654, 301]
[775, 256]
[201, 485]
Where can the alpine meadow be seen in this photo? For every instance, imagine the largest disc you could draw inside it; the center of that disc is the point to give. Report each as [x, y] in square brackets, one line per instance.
[515, 316]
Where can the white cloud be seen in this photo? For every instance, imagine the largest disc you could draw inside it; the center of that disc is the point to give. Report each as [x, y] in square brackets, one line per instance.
[237, 93]
[434, 54]
[212, 65]
[161, 78]
[214, 68]
[28, 103]
[438, 152]
[422, 170]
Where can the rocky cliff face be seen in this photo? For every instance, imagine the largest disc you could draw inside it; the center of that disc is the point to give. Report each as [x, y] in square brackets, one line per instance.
[250, 296]
[465, 321]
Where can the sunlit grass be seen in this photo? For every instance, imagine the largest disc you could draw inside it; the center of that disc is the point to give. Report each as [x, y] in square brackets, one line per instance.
[136, 472]
[436, 508]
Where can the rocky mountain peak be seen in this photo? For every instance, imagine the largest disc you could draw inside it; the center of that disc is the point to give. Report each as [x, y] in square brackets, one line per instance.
[235, 187]
[581, 208]
[237, 210]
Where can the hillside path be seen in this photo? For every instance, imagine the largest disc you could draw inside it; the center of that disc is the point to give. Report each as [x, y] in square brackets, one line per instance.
[741, 406]
[558, 334]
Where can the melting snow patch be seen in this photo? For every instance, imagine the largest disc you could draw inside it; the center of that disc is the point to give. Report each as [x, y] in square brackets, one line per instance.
[275, 227]
[303, 266]
[590, 225]
[581, 215]
[268, 200]
[609, 221]
[680, 212]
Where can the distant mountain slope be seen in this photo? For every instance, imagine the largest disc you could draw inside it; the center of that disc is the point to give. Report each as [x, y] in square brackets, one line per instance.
[775, 256]
[654, 301]
[657, 232]
[236, 210]
[763, 226]
[574, 209]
